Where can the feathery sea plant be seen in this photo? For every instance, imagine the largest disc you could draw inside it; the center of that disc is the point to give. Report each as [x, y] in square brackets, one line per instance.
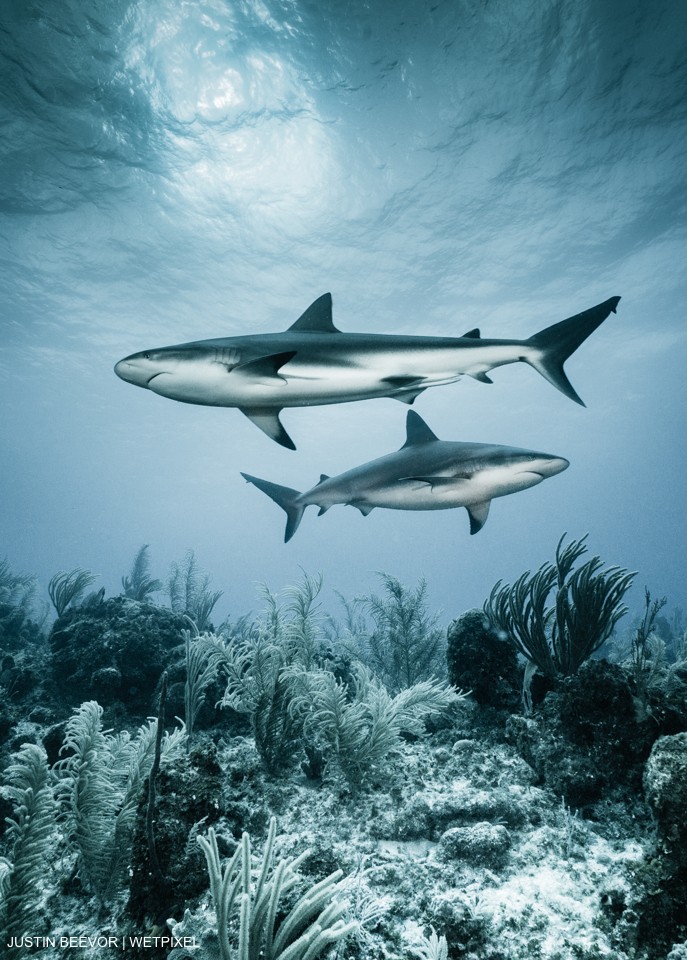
[18, 621]
[406, 644]
[16, 589]
[258, 686]
[189, 591]
[586, 606]
[67, 588]
[432, 947]
[360, 729]
[259, 665]
[138, 584]
[314, 923]
[646, 648]
[31, 834]
[204, 655]
[98, 788]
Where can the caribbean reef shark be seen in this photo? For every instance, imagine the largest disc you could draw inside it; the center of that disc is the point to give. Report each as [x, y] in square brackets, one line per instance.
[425, 474]
[313, 363]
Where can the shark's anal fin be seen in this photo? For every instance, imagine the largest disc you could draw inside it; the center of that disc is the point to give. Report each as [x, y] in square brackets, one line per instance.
[267, 419]
[318, 317]
[478, 513]
[265, 368]
[323, 509]
[482, 377]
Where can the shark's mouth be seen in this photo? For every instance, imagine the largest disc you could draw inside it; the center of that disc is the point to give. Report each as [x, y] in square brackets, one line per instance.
[161, 373]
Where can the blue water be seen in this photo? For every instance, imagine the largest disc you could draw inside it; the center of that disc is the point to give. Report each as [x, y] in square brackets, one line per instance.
[176, 171]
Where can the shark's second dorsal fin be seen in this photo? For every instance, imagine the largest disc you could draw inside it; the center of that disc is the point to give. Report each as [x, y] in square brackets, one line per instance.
[472, 334]
[417, 431]
[318, 317]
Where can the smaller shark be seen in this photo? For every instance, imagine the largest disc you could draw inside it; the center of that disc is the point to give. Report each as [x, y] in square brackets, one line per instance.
[425, 474]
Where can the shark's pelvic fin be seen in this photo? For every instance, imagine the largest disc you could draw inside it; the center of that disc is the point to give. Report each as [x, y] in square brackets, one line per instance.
[265, 368]
[409, 396]
[267, 419]
[417, 430]
[285, 497]
[365, 508]
[437, 481]
[553, 346]
[409, 388]
[318, 317]
[478, 513]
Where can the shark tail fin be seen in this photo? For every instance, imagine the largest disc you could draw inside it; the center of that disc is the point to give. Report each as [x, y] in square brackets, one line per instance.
[550, 348]
[285, 497]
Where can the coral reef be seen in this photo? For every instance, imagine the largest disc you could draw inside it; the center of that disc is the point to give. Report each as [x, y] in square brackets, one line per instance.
[413, 820]
[481, 661]
[113, 651]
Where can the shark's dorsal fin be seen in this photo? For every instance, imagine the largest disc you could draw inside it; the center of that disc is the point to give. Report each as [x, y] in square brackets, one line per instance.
[478, 513]
[267, 418]
[472, 334]
[318, 317]
[417, 431]
[323, 477]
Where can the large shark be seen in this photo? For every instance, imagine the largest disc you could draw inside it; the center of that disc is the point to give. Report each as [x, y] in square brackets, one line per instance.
[425, 474]
[313, 363]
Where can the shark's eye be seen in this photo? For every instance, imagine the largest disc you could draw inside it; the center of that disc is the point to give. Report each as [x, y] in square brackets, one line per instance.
[146, 356]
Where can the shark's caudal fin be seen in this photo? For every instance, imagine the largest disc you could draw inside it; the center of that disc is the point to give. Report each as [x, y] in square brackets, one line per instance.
[285, 497]
[553, 346]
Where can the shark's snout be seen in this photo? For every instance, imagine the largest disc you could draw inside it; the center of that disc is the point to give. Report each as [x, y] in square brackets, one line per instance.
[138, 369]
[124, 370]
[550, 466]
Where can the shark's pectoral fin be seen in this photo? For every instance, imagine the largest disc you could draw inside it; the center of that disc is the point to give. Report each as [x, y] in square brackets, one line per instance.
[364, 508]
[478, 513]
[265, 369]
[267, 419]
[482, 377]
